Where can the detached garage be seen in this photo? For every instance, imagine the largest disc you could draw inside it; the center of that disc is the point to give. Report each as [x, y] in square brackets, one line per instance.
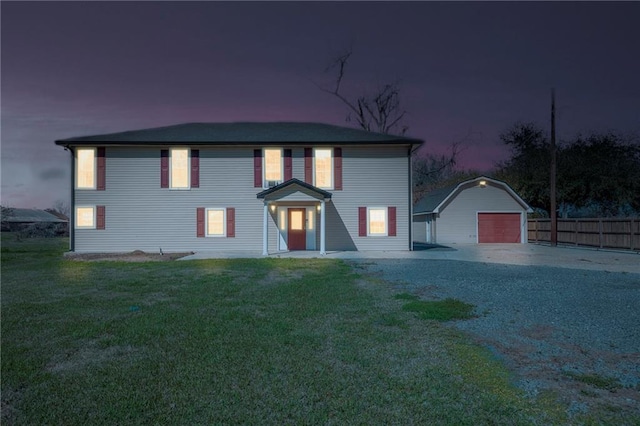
[480, 210]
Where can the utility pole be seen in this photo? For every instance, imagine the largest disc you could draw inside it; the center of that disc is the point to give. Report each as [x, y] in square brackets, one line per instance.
[552, 174]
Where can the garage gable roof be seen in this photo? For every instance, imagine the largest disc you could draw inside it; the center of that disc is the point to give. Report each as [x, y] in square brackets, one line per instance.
[436, 200]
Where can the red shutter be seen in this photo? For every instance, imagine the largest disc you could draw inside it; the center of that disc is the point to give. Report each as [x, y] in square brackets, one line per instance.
[195, 168]
[288, 165]
[102, 171]
[392, 222]
[362, 221]
[308, 165]
[337, 168]
[257, 168]
[164, 168]
[231, 222]
[100, 222]
[200, 222]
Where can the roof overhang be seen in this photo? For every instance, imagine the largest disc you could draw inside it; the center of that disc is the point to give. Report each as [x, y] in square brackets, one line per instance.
[294, 190]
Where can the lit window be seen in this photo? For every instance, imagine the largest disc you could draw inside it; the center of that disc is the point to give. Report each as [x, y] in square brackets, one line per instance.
[85, 217]
[86, 168]
[180, 168]
[216, 222]
[283, 220]
[310, 216]
[378, 221]
[272, 165]
[323, 167]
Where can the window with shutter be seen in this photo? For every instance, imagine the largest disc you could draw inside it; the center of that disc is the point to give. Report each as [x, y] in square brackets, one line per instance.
[200, 222]
[164, 168]
[308, 166]
[337, 169]
[231, 222]
[101, 170]
[100, 217]
[86, 168]
[257, 168]
[195, 168]
[288, 165]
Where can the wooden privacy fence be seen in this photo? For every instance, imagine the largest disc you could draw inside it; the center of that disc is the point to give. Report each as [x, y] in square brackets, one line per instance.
[597, 232]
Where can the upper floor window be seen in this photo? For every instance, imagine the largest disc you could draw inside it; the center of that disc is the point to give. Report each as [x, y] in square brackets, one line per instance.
[180, 168]
[86, 168]
[323, 167]
[272, 167]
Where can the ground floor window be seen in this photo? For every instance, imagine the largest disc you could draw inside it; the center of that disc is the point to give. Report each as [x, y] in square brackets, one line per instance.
[86, 217]
[216, 223]
[377, 221]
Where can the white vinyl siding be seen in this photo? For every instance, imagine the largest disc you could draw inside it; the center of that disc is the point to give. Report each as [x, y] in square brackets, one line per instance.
[179, 169]
[143, 216]
[86, 168]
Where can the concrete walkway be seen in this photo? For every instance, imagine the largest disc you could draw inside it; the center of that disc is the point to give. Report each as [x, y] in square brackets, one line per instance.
[510, 254]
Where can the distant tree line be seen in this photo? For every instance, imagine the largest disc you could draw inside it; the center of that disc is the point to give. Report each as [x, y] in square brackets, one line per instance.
[597, 174]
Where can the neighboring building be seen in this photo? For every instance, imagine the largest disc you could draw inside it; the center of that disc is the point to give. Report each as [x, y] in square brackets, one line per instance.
[20, 219]
[480, 210]
[265, 187]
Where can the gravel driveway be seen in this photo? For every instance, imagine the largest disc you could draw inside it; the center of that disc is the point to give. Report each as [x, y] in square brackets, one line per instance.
[551, 326]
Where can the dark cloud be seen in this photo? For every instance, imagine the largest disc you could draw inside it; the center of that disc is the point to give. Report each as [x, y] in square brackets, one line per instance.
[52, 174]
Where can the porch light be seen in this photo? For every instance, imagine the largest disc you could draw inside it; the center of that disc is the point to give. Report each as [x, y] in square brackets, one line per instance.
[273, 207]
[483, 183]
[318, 207]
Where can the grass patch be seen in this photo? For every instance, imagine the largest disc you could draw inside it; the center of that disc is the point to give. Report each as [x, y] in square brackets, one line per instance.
[260, 341]
[596, 380]
[440, 310]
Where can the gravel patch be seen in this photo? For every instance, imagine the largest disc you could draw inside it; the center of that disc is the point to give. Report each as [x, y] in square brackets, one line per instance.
[551, 326]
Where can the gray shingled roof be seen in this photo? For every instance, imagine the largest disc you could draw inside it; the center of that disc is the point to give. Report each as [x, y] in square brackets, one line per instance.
[242, 132]
[294, 181]
[433, 199]
[31, 215]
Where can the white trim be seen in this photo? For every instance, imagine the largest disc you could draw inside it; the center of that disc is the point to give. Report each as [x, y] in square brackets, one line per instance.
[264, 166]
[265, 231]
[386, 221]
[188, 187]
[95, 169]
[224, 222]
[313, 166]
[95, 219]
[323, 233]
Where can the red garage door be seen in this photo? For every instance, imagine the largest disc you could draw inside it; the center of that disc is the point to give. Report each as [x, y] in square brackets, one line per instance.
[499, 227]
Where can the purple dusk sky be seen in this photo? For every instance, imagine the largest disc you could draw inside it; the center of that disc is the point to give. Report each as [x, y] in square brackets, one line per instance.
[468, 71]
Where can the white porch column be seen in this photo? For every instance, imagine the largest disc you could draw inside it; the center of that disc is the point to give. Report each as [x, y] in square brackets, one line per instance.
[265, 233]
[322, 228]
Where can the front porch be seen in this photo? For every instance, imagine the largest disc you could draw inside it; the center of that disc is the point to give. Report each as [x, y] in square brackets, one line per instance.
[299, 211]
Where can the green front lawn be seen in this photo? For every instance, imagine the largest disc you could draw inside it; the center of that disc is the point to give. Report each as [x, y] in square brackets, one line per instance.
[264, 341]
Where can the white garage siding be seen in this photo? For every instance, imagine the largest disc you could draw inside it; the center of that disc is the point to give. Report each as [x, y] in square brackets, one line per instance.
[457, 221]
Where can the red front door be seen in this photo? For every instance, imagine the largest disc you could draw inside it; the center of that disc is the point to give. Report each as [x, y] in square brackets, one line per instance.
[297, 232]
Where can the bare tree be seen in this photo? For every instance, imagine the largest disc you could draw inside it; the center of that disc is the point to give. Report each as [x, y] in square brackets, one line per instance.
[380, 112]
[60, 207]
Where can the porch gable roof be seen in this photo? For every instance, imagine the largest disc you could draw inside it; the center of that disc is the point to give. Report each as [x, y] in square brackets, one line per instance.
[285, 189]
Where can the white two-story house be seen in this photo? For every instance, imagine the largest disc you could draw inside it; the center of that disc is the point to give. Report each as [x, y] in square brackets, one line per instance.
[266, 187]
